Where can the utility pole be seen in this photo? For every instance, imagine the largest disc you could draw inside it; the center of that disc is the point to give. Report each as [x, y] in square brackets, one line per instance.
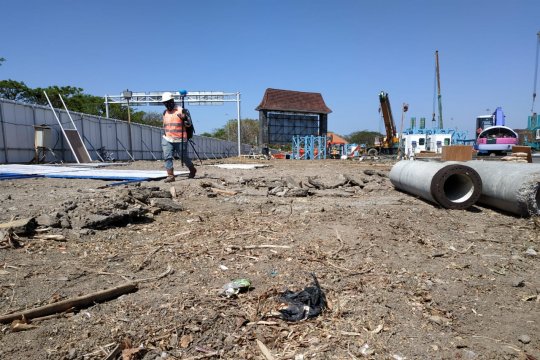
[401, 143]
[128, 95]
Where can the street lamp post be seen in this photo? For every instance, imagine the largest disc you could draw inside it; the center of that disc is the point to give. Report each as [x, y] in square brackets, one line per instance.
[128, 95]
[401, 143]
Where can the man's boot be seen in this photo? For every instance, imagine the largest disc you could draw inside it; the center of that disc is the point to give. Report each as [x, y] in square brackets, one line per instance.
[192, 172]
[170, 176]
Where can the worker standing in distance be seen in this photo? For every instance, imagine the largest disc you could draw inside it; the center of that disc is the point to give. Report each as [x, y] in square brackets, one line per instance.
[175, 123]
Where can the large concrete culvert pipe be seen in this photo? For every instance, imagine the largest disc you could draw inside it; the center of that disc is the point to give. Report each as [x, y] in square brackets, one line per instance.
[451, 185]
[511, 187]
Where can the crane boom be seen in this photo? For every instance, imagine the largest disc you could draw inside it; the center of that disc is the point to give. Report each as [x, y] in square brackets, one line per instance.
[389, 124]
[438, 88]
[535, 72]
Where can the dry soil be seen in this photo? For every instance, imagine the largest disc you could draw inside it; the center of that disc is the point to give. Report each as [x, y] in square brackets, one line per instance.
[404, 279]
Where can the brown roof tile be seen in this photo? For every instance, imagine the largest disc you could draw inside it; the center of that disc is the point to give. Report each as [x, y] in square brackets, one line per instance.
[335, 138]
[298, 101]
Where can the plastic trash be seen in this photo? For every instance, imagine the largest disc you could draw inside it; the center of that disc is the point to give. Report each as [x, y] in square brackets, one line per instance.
[235, 287]
[304, 304]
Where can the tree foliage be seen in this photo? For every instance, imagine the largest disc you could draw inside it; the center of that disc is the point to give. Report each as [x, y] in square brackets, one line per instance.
[249, 131]
[13, 90]
[75, 99]
[363, 137]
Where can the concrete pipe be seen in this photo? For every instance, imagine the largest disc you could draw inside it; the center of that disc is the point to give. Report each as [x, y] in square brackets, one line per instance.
[512, 187]
[452, 185]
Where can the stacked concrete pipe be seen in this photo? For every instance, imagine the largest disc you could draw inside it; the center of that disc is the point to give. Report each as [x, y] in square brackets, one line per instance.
[511, 187]
[452, 185]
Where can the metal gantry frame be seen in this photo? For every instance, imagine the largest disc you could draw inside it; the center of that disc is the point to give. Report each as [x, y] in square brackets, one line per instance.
[153, 98]
[314, 147]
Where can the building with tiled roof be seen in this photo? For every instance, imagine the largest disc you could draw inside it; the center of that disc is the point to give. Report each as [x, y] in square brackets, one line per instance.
[286, 113]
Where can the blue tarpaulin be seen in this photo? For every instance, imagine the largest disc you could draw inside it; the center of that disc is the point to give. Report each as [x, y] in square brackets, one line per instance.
[15, 171]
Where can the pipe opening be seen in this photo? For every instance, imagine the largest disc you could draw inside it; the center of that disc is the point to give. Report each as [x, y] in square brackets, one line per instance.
[459, 188]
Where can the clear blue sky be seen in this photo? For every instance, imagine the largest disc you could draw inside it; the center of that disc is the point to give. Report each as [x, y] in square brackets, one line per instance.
[348, 50]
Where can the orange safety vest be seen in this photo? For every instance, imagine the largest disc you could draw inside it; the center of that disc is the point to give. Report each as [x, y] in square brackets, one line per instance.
[173, 125]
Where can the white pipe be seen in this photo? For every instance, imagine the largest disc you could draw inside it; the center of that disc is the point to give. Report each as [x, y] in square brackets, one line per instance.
[511, 187]
[452, 185]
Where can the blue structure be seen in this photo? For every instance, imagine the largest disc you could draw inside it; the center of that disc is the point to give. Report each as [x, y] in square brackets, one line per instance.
[309, 147]
[533, 127]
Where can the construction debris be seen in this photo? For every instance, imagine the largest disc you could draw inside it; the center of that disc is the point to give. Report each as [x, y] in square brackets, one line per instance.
[71, 304]
[391, 267]
[304, 304]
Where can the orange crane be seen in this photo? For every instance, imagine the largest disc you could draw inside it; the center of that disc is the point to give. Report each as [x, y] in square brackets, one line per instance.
[390, 143]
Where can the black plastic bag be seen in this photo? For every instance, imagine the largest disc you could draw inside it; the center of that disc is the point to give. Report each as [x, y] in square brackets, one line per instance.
[304, 304]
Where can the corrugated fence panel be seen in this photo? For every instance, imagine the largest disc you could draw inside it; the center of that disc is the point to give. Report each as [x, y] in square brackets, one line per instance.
[3, 150]
[91, 135]
[19, 132]
[108, 137]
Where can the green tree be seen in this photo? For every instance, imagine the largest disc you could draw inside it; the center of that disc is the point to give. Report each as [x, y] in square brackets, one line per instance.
[14, 90]
[152, 118]
[363, 137]
[249, 131]
[37, 95]
[221, 133]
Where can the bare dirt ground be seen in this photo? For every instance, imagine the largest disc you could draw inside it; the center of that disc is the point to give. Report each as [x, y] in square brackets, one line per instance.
[404, 279]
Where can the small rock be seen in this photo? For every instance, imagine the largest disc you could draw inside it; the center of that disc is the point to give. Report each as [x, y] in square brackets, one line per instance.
[518, 283]
[525, 339]
[48, 220]
[531, 252]
[366, 351]
[369, 172]
[276, 190]
[154, 210]
[161, 194]
[64, 223]
[469, 354]
[21, 226]
[297, 192]
[439, 320]
[72, 354]
[166, 204]
[229, 340]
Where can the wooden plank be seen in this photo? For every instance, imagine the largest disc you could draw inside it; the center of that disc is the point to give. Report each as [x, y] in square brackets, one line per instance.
[525, 149]
[78, 147]
[77, 303]
[457, 153]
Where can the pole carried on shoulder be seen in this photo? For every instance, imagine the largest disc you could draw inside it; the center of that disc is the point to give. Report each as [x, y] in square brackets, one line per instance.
[182, 95]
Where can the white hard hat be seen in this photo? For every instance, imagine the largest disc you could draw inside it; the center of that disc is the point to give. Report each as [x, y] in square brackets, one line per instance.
[166, 96]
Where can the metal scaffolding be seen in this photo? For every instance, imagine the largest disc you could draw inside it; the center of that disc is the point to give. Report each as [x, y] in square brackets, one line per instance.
[309, 147]
[192, 98]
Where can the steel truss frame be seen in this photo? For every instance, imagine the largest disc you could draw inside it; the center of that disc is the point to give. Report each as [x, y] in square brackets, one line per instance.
[191, 98]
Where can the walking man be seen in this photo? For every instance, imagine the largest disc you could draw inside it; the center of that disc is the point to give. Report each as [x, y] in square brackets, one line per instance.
[175, 123]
